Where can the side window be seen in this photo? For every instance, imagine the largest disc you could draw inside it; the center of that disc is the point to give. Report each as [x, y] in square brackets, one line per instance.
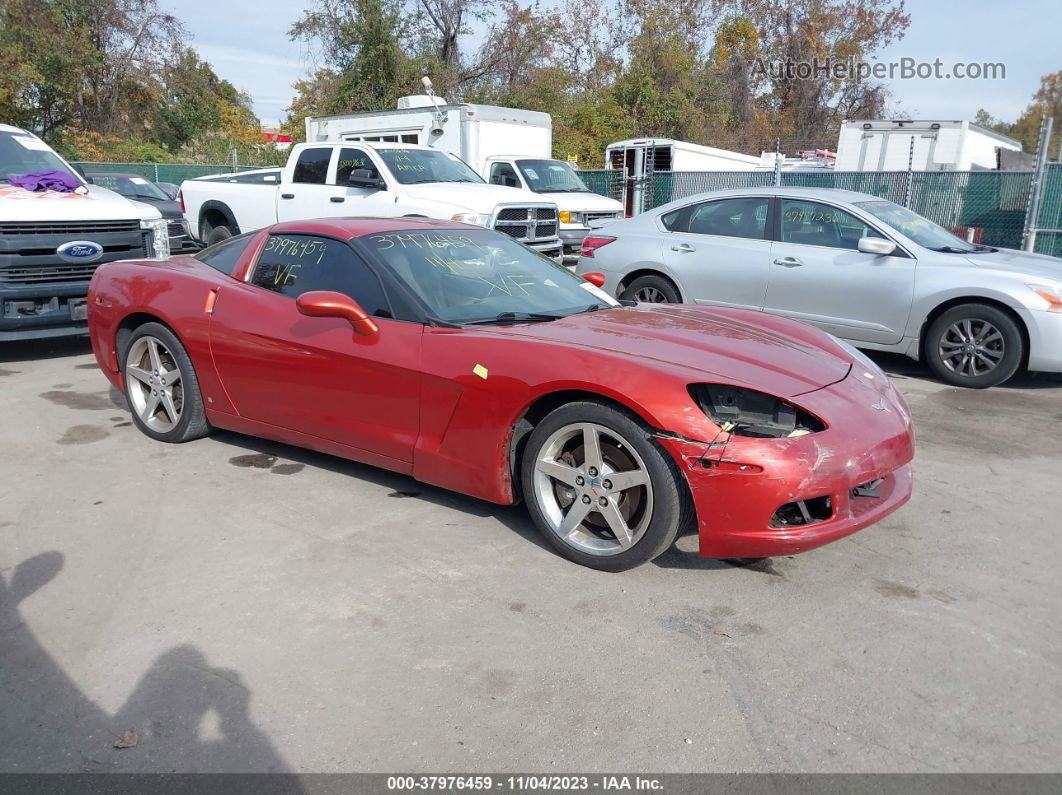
[677, 220]
[352, 160]
[312, 165]
[503, 174]
[223, 256]
[295, 264]
[744, 217]
[814, 224]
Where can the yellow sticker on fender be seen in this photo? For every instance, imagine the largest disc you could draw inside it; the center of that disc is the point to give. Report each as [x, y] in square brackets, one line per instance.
[481, 371]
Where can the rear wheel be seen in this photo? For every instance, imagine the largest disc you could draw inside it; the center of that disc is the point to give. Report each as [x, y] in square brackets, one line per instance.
[652, 290]
[161, 386]
[210, 234]
[974, 345]
[603, 493]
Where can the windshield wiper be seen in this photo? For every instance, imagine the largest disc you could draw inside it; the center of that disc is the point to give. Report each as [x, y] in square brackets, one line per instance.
[953, 250]
[514, 317]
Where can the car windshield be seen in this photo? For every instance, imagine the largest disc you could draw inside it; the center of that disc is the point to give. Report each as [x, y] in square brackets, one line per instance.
[921, 230]
[551, 176]
[24, 154]
[131, 186]
[411, 166]
[481, 276]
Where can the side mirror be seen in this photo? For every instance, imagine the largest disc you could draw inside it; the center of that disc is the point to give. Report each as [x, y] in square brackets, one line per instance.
[878, 246]
[595, 278]
[363, 178]
[326, 303]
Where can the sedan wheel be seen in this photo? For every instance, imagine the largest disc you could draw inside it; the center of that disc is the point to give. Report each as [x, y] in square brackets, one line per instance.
[974, 345]
[601, 489]
[652, 289]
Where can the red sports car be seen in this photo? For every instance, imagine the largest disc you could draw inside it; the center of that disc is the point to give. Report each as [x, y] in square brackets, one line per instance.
[458, 356]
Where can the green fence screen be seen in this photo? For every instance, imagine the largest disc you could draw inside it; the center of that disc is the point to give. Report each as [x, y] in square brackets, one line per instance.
[984, 206]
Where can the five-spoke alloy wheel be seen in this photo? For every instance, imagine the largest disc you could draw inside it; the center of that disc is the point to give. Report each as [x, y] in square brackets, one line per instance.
[161, 386]
[600, 489]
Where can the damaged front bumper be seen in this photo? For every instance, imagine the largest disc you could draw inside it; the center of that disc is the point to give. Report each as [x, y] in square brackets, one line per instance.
[770, 497]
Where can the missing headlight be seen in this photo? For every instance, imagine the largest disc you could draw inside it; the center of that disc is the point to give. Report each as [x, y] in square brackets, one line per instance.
[746, 412]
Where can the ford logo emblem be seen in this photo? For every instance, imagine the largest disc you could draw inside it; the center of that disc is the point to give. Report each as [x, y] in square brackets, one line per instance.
[80, 251]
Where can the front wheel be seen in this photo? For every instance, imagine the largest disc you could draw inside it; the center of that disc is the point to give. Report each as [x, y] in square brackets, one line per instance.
[974, 345]
[161, 386]
[603, 493]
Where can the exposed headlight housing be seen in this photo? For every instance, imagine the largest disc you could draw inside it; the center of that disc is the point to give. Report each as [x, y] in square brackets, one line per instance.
[746, 412]
[160, 237]
[1053, 295]
[471, 218]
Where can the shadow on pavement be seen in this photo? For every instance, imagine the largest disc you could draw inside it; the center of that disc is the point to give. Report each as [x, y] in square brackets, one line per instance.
[31, 350]
[188, 716]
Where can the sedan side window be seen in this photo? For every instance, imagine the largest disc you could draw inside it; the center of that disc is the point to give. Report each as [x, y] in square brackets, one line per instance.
[743, 217]
[814, 224]
[503, 174]
[295, 264]
[312, 165]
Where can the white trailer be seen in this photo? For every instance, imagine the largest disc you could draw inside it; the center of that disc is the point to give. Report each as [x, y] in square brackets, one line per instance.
[637, 158]
[472, 132]
[881, 145]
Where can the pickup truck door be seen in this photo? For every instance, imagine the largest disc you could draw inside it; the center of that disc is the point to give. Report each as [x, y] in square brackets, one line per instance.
[818, 275]
[314, 375]
[307, 194]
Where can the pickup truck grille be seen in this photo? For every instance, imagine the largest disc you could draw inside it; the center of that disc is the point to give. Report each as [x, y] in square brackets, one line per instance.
[57, 273]
[68, 227]
[600, 216]
[527, 224]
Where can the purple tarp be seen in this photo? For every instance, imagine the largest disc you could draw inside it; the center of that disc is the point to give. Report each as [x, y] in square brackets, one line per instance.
[40, 181]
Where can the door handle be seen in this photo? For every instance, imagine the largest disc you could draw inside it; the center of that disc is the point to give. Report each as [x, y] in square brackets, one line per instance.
[287, 195]
[336, 199]
[683, 247]
[788, 262]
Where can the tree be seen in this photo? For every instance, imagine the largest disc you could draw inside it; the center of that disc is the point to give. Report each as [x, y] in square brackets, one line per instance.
[1047, 101]
[192, 99]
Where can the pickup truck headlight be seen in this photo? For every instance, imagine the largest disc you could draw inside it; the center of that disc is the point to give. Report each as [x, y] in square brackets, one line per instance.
[471, 218]
[160, 237]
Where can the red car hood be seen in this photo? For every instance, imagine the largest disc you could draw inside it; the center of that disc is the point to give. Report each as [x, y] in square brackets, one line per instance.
[761, 351]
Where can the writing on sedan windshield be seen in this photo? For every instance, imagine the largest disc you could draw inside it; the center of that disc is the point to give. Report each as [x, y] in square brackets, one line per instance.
[302, 249]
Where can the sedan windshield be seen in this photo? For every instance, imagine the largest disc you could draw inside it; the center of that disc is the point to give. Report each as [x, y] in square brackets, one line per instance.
[551, 176]
[412, 166]
[921, 230]
[479, 276]
[132, 187]
[24, 154]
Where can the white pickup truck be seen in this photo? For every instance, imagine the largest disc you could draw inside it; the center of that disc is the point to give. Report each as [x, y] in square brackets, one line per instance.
[324, 180]
[51, 241]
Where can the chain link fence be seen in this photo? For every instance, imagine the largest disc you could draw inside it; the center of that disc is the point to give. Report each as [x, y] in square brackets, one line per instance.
[174, 173]
[982, 206]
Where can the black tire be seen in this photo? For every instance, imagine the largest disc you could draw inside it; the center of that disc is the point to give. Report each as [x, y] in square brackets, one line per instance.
[215, 234]
[652, 289]
[192, 423]
[672, 506]
[1008, 347]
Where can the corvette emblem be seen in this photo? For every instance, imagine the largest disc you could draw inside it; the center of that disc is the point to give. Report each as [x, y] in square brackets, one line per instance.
[880, 406]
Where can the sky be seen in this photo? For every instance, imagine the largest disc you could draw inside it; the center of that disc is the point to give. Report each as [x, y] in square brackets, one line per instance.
[247, 44]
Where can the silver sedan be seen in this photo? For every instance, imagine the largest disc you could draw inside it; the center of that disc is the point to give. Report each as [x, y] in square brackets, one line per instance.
[862, 268]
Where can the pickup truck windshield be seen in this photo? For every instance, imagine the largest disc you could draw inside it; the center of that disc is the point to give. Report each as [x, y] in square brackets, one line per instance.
[413, 166]
[24, 154]
[480, 276]
[551, 176]
[130, 186]
[921, 230]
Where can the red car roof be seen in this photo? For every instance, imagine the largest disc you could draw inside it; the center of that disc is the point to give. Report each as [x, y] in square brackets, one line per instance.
[350, 228]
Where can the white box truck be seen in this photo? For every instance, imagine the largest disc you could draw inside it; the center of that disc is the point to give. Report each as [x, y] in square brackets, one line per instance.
[505, 146]
[637, 158]
[51, 241]
[883, 145]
